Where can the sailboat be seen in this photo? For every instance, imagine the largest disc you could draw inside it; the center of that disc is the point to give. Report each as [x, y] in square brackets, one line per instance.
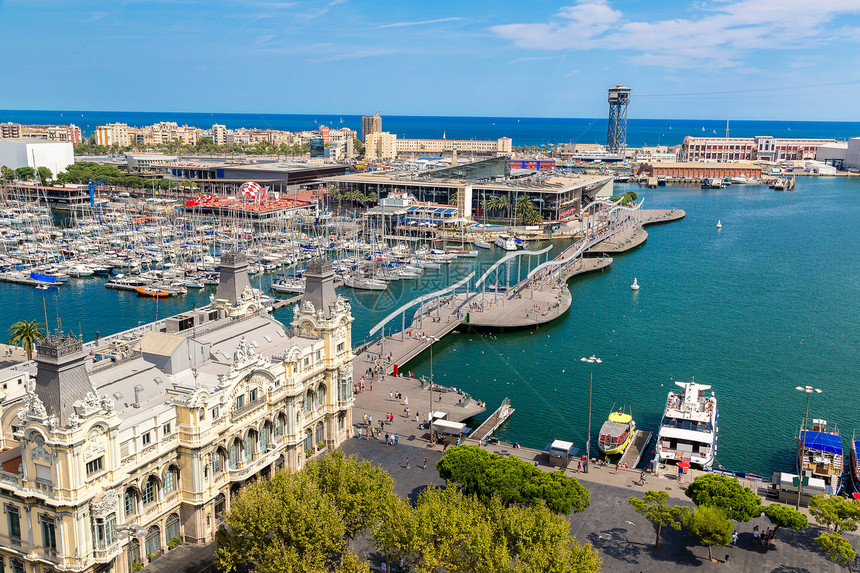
[719, 224]
[635, 285]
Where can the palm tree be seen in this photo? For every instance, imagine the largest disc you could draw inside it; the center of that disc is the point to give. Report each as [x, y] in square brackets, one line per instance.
[524, 207]
[26, 333]
[504, 203]
[533, 218]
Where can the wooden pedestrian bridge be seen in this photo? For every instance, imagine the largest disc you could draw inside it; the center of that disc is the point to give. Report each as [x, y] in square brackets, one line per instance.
[539, 294]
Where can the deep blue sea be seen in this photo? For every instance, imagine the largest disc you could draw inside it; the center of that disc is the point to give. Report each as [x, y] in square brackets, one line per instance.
[523, 131]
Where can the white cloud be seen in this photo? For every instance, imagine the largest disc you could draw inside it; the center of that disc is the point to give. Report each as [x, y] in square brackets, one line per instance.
[724, 33]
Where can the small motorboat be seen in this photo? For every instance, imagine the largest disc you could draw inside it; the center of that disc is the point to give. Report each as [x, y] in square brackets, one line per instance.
[482, 244]
[153, 292]
[635, 285]
[719, 224]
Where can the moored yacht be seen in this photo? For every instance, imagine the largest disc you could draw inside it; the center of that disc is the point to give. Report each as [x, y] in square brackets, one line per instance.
[506, 242]
[819, 455]
[688, 430]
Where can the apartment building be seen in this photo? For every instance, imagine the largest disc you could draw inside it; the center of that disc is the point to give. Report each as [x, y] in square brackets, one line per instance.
[759, 148]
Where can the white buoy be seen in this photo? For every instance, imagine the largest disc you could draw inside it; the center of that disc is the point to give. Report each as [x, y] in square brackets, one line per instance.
[635, 285]
[719, 224]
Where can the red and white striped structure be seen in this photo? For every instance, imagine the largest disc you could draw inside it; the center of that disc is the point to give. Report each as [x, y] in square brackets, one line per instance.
[253, 191]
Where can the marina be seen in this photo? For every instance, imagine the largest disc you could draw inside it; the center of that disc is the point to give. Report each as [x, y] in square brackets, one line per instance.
[507, 311]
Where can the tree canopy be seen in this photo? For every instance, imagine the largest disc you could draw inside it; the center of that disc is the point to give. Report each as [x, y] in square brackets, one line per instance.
[837, 548]
[450, 531]
[738, 502]
[841, 513]
[511, 479]
[785, 516]
[284, 524]
[360, 491]
[25, 173]
[711, 525]
[655, 508]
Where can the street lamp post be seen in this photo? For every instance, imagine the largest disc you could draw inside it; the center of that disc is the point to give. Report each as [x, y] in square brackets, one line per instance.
[801, 440]
[591, 361]
[433, 340]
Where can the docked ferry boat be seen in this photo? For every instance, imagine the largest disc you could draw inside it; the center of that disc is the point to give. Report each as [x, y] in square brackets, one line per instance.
[688, 430]
[616, 433]
[821, 452]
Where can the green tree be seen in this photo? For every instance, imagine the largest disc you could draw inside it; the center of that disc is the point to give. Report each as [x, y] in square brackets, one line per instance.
[785, 516]
[358, 146]
[352, 564]
[524, 206]
[45, 175]
[285, 524]
[837, 549]
[361, 492]
[503, 203]
[712, 527]
[25, 173]
[655, 508]
[7, 173]
[450, 531]
[841, 513]
[26, 333]
[511, 479]
[738, 502]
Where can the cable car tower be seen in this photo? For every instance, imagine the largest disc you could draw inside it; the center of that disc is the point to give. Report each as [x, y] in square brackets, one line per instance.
[616, 135]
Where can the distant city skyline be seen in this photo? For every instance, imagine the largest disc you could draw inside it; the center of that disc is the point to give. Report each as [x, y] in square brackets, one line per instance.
[743, 59]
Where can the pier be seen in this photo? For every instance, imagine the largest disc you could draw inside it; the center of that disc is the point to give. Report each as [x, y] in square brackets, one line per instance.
[636, 450]
[491, 424]
[539, 297]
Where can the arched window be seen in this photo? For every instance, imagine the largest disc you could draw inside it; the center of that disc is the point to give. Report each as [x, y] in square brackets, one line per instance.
[153, 541]
[319, 434]
[279, 426]
[235, 453]
[170, 480]
[220, 506]
[320, 394]
[264, 437]
[171, 529]
[249, 445]
[309, 439]
[149, 491]
[309, 400]
[129, 502]
[218, 460]
[104, 531]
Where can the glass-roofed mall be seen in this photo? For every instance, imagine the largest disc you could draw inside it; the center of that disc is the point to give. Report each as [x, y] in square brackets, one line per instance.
[463, 191]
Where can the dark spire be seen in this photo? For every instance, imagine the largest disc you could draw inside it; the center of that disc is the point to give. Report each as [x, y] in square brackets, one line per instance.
[233, 277]
[61, 374]
[319, 285]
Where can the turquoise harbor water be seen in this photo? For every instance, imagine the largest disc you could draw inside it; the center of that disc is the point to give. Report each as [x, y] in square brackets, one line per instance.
[767, 303]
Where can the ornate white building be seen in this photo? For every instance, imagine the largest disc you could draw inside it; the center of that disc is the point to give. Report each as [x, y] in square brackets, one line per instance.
[105, 467]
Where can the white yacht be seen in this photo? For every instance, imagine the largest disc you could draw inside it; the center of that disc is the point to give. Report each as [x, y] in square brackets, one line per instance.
[482, 244]
[635, 285]
[506, 242]
[688, 430]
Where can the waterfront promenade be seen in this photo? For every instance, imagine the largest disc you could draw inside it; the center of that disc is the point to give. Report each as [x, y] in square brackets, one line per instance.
[623, 538]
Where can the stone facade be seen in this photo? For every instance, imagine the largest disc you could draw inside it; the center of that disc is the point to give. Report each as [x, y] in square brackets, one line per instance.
[150, 458]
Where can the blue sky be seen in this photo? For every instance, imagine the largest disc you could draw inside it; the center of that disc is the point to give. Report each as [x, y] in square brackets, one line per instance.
[744, 59]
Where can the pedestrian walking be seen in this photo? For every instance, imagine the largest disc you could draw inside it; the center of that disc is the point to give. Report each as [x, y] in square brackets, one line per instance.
[407, 463]
[395, 439]
[734, 537]
[391, 395]
[756, 538]
[425, 462]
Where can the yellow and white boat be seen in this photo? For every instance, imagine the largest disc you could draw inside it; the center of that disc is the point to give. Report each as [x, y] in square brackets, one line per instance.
[616, 433]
